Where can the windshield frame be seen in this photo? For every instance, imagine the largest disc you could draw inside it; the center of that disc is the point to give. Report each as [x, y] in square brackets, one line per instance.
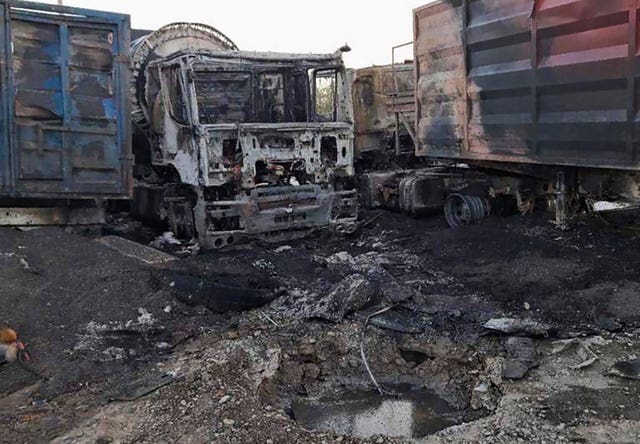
[291, 70]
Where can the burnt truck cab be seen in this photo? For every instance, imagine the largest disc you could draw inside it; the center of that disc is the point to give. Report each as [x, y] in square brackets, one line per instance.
[253, 144]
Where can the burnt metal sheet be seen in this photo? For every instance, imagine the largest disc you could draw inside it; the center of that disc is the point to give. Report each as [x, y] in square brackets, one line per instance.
[376, 99]
[65, 109]
[530, 81]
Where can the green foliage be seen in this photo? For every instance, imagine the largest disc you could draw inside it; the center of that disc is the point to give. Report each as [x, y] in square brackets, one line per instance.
[326, 96]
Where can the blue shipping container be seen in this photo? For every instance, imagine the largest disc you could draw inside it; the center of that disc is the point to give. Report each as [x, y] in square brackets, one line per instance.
[65, 120]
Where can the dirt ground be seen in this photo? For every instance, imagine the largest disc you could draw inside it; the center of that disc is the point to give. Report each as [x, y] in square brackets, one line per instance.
[129, 352]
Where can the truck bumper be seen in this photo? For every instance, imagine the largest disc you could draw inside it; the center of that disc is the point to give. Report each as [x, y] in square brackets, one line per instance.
[276, 214]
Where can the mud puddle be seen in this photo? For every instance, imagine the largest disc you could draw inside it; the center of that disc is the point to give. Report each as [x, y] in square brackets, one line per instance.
[408, 413]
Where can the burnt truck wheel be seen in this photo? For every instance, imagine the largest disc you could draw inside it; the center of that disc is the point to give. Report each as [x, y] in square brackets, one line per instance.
[462, 209]
[221, 242]
[346, 229]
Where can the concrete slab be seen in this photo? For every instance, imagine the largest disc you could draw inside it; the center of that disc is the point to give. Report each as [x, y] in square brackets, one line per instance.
[134, 250]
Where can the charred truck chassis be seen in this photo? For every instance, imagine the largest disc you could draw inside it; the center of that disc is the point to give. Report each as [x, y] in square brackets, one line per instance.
[468, 194]
[248, 145]
[536, 101]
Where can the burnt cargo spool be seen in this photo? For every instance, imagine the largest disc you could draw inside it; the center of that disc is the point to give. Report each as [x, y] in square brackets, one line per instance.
[166, 43]
[464, 209]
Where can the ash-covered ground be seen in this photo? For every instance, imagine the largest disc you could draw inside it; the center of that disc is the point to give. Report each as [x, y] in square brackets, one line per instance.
[286, 343]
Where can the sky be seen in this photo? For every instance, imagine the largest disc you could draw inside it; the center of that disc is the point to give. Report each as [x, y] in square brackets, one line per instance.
[370, 28]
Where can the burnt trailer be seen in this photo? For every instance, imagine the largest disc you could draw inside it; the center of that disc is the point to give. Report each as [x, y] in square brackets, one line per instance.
[234, 145]
[541, 95]
[65, 132]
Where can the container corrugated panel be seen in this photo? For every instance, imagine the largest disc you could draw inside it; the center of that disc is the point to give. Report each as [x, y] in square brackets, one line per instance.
[65, 111]
[552, 82]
